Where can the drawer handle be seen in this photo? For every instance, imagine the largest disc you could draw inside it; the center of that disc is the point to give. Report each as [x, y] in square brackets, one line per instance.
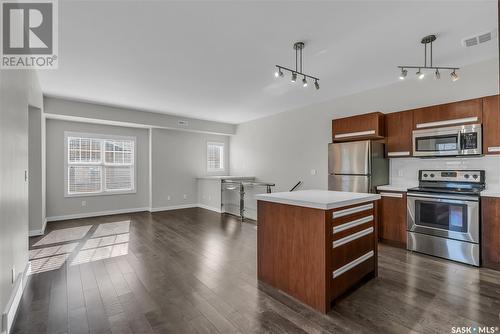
[355, 134]
[354, 223]
[494, 149]
[352, 264]
[345, 212]
[352, 237]
[447, 122]
[395, 195]
[398, 154]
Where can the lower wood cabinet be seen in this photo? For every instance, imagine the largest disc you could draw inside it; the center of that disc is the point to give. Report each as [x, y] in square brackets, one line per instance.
[490, 216]
[392, 218]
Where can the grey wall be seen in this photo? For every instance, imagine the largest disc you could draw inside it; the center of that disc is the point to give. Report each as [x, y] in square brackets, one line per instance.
[58, 205]
[18, 89]
[35, 171]
[284, 148]
[178, 158]
[61, 107]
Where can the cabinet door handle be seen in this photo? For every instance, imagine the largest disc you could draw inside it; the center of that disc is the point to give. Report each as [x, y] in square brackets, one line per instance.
[398, 154]
[494, 149]
[395, 195]
[447, 122]
[355, 134]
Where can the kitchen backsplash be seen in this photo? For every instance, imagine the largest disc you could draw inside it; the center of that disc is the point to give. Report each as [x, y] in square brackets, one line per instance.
[404, 171]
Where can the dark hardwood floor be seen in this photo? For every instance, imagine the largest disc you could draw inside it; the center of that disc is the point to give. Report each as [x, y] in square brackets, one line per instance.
[194, 271]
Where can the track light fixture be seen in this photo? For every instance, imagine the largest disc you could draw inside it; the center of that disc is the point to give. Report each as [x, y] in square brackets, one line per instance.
[403, 74]
[420, 74]
[298, 47]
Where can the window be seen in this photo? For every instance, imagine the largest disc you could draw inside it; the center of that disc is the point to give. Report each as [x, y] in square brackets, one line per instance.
[215, 157]
[98, 164]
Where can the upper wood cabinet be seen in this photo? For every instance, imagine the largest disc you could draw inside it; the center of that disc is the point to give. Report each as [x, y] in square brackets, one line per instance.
[366, 126]
[449, 114]
[392, 218]
[398, 133]
[491, 125]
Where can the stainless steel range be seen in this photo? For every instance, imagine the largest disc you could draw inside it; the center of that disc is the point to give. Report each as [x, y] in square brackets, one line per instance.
[444, 214]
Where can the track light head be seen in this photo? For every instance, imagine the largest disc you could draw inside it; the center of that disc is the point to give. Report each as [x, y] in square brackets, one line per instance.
[437, 75]
[454, 76]
[304, 82]
[294, 76]
[403, 74]
[316, 84]
[278, 73]
[420, 74]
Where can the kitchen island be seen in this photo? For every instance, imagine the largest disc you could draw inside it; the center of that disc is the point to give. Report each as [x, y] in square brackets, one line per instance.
[315, 244]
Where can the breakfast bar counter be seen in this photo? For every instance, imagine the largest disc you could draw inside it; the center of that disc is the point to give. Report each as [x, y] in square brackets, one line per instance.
[315, 245]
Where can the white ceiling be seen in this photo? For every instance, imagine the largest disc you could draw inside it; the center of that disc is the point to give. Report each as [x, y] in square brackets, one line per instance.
[215, 60]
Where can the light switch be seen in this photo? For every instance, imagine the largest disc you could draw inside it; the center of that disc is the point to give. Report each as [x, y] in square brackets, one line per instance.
[313, 171]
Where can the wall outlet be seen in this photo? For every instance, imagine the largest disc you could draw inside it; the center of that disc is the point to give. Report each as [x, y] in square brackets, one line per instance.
[209, 198]
[84, 203]
[185, 196]
[13, 278]
[168, 198]
[400, 172]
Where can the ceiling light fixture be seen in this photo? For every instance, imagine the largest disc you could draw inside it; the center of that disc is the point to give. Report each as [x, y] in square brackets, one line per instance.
[298, 47]
[403, 74]
[437, 75]
[420, 74]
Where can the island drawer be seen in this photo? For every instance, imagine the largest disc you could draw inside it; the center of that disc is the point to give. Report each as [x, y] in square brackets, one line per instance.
[349, 275]
[350, 213]
[348, 248]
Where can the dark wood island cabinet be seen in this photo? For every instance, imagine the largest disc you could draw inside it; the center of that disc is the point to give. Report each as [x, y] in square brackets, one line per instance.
[315, 245]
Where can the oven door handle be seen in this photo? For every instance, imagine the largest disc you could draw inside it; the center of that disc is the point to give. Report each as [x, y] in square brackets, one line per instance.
[440, 198]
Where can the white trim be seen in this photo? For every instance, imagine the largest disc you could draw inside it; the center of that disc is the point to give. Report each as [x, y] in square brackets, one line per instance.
[447, 122]
[95, 214]
[352, 224]
[352, 264]
[12, 306]
[355, 134]
[35, 233]
[345, 212]
[494, 149]
[352, 237]
[174, 207]
[208, 207]
[398, 154]
[395, 195]
[150, 167]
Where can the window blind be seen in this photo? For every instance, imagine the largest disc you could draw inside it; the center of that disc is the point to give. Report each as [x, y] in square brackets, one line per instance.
[99, 165]
[215, 156]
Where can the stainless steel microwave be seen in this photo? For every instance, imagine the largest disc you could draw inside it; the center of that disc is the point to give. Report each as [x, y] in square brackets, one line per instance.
[448, 141]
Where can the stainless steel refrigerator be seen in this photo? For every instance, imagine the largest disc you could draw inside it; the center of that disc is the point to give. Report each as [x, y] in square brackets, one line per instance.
[358, 166]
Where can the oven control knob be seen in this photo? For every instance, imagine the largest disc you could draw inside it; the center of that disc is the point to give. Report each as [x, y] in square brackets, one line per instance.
[432, 175]
[466, 176]
[425, 175]
[474, 176]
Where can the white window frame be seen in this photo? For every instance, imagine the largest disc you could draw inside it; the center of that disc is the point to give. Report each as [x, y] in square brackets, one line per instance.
[223, 159]
[103, 137]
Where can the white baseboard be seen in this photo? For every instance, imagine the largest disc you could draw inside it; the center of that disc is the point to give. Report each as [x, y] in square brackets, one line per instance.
[35, 233]
[211, 208]
[10, 312]
[95, 214]
[173, 207]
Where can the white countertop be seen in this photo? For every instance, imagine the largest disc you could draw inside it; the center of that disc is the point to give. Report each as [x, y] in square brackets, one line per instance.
[318, 199]
[225, 177]
[390, 187]
[490, 193]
